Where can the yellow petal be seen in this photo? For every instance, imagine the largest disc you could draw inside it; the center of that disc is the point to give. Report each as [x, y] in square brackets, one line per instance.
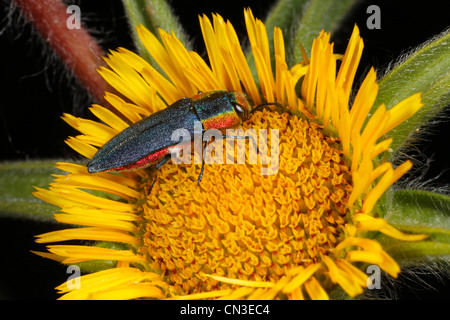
[257, 284]
[96, 221]
[83, 148]
[369, 223]
[91, 128]
[89, 233]
[298, 280]
[349, 64]
[76, 253]
[204, 295]
[364, 100]
[344, 279]
[403, 111]
[97, 183]
[389, 178]
[130, 291]
[315, 290]
[109, 118]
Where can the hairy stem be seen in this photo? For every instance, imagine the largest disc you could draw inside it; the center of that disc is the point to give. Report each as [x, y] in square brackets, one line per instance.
[76, 48]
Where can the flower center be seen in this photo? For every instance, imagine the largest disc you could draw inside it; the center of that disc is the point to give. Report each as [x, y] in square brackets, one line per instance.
[241, 224]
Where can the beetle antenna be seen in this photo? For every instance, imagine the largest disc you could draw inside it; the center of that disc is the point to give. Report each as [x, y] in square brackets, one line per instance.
[265, 104]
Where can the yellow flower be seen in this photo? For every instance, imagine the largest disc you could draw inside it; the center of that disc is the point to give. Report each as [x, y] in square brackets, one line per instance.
[295, 234]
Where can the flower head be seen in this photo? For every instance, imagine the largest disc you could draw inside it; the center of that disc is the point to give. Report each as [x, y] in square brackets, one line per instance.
[296, 233]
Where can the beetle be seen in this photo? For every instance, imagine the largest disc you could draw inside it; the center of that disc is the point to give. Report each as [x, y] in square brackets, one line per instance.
[148, 141]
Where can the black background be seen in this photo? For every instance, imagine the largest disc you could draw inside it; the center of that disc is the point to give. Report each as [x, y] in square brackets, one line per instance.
[35, 91]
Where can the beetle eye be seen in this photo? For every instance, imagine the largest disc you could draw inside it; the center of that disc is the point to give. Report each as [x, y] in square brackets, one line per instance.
[240, 111]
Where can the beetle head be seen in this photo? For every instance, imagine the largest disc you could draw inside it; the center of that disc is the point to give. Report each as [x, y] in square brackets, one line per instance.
[241, 105]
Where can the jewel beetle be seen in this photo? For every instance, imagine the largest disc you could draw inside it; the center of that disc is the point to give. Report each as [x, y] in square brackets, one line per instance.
[149, 142]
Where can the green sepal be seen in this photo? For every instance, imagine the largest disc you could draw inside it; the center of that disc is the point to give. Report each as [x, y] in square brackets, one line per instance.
[337, 293]
[407, 253]
[92, 266]
[152, 14]
[17, 182]
[426, 70]
[418, 212]
[430, 209]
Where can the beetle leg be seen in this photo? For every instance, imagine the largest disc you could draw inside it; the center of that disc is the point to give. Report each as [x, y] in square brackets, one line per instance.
[163, 161]
[158, 166]
[243, 137]
[203, 163]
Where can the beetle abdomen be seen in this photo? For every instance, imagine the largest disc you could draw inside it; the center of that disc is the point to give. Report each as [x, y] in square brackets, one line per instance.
[145, 141]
